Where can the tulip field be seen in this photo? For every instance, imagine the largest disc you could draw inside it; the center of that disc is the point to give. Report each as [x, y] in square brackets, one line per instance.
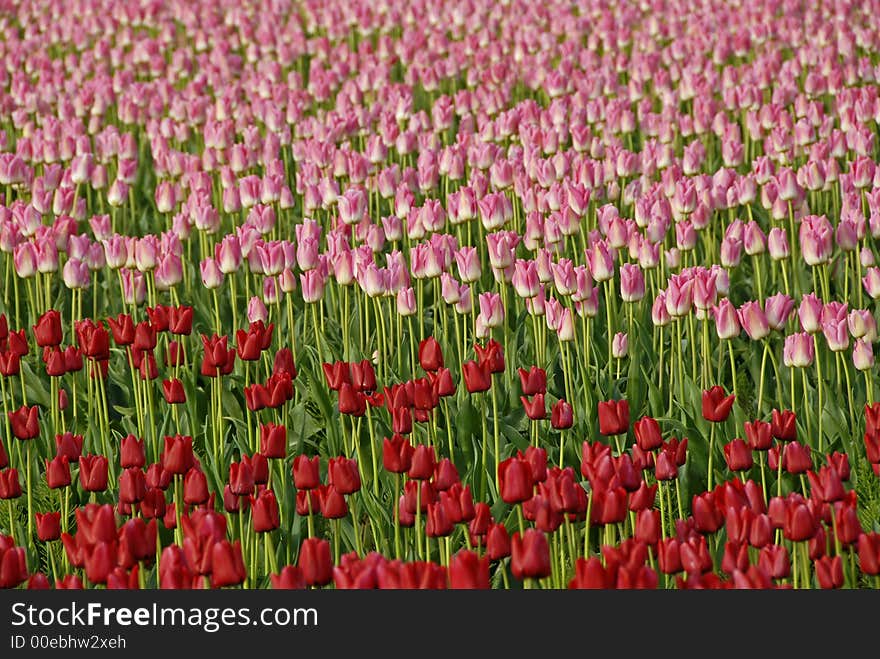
[453, 294]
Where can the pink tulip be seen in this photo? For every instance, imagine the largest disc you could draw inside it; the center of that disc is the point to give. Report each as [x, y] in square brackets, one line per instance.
[632, 283]
[753, 320]
[798, 350]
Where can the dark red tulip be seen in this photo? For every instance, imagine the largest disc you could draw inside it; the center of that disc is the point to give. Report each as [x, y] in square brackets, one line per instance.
[218, 359]
[195, 487]
[351, 401]
[289, 578]
[4, 459]
[122, 328]
[800, 524]
[608, 505]
[93, 339]
[430, 354]
[69, 445]
[418, 494]
[48, 526]
[47, 331]
[24, 422]
[758, 435]
[665, 468]
[423, 463]
[468, 571]
[774, 560]
[180, 320]
[131, 452]
[337, 374]
[533, 381]
[783, 425]
[515, 480]
[343, 474]
[401, 420]
[648, 526]
[829, 572]
[159, 317]
[796, 458]
[707, 517]
[10, 363]
[590, 574]
[397, 454]
[437, 522]
[669, 556]
[477, 378]
[273, 440]
[840, 462]
[491, 355]
[132, 485]
[826, 486]
[93, 473]
[265, 512]
[158, 477]
[441, 382]
[314, 561]
[177, 456]
[537, 459]
[695, 557]
[717, 406]
[738, 455]
[144, 336]
[308, 501]
[13, 566]
[643, 498]
[363, 376]
[99, 561]
[306, 472]
[497, 542]
[283, 363]
[613, 417]
[18, 343]
[530, 555]
[333, 504]
[869, 553]
[445, 475]
[173, 391]
[58, 472]
[561, 415]
[39, 581]
[53, 358]
[241, 478]
[227, 565]
[647, 432]
[736, 557]
[249, 345]
[534, 408]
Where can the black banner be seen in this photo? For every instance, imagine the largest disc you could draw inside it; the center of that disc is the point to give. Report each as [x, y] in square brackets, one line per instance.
[357, 621]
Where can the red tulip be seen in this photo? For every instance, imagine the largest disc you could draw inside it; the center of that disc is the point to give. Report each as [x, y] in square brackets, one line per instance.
[869, 553]
[590, 574]
[227, 565]
[290, 578]
[306, 472]
[173, 391]
[314, 561]
[93, 473]
[534, 408]
[24, 422]
[497, 542]
[93, 339]
[829, 572]
[180, 320]
[241, 478]
[516, 483]
[530, 555]
[477, 377]
[131, 452]
[265, 512]
[430, 354]
[195, 487]
[69, 445]
[343, 474]
[273, 440]
[533, 381]
[613, 417]
[799, 523]
[423, 463]
[177, 456]
[337, 374]
[132, 485]
[783, 425]
[397, 454]
[47, 331]
[738, 455]
[468, 571]
[351, 401]
[759, 435]
[58, 472]
[717, 406]
[122, 328]
[647, 432]
[561, 415]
